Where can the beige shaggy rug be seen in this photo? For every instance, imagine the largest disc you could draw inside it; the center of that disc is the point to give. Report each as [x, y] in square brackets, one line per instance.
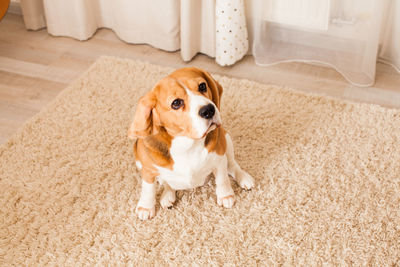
[327, 173]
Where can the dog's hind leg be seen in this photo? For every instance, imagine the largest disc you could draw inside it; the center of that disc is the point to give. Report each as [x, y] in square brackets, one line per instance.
[241, 177]
[168, 197]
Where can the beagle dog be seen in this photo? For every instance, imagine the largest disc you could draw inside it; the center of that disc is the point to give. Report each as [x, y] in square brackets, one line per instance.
[180, 141]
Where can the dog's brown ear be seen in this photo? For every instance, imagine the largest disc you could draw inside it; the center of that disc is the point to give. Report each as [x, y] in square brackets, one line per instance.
[216, 88]
[143, 123]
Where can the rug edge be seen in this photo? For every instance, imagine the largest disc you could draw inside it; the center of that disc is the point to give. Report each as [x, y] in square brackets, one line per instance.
[103, 58]
[48, 105]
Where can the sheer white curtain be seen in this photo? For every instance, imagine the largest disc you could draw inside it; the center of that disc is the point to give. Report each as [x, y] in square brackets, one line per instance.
[347, 35]
[390, 35]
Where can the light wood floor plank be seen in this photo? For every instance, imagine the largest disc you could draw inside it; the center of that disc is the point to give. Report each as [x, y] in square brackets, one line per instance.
[34, 70]
[26, 53]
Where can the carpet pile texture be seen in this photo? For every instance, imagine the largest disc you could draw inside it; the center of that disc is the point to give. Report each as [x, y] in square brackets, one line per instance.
[327, 174]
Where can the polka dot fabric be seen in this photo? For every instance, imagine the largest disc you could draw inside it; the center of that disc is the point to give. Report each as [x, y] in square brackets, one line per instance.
[231, 32]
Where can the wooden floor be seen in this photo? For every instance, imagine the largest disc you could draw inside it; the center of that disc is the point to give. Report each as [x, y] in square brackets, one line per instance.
[35, 67]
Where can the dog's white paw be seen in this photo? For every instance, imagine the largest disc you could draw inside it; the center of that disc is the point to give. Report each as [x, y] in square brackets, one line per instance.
[245, 180]
[227, 201]
[145, 213]
[167, 199]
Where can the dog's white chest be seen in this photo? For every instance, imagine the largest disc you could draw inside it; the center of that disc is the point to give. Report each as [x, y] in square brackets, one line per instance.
[192, 164]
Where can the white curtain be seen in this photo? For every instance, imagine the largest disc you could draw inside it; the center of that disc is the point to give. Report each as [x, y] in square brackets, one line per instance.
[348, 35]
[197, 28]
[134, 21]
[390, 35]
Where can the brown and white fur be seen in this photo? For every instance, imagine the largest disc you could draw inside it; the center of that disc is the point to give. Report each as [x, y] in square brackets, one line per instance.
[180, 141]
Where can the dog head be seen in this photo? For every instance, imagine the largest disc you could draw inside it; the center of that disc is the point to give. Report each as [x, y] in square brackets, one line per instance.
[185, 103]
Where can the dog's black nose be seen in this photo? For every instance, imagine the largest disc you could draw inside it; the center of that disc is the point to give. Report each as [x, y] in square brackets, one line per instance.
[207, 112]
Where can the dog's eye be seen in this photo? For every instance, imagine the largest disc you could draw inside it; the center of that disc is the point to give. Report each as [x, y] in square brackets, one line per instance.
[202, 87]
[177, 103]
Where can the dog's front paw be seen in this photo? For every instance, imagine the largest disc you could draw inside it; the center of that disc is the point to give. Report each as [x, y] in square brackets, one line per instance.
[245, 180]
[145, 213]
[227, 201]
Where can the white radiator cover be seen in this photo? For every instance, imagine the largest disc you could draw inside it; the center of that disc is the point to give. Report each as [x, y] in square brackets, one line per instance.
[312, 14]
